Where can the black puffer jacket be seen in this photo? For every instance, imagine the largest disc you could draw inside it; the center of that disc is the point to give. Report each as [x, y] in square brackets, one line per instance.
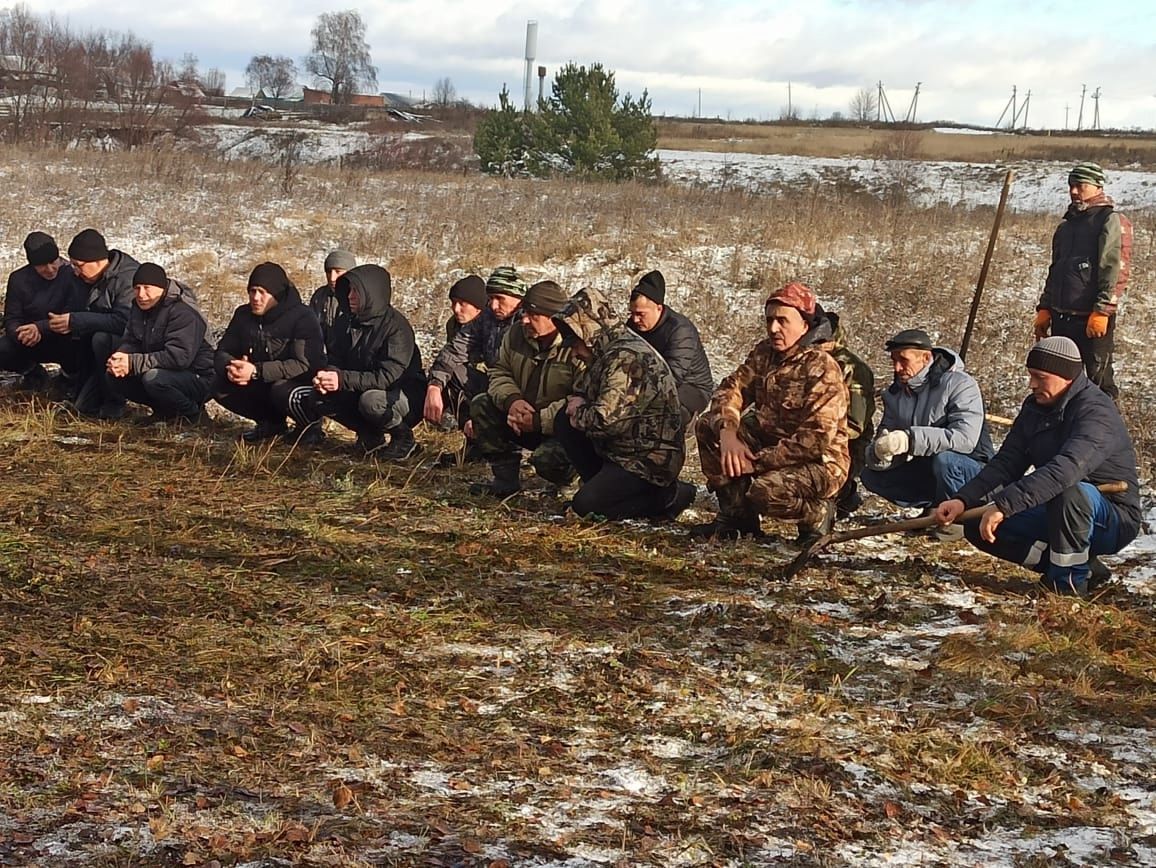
[170, 335]
[1080, 439]
[377, 350]
[109, 299]
[30, 298]
[678, 341]
[284, 344]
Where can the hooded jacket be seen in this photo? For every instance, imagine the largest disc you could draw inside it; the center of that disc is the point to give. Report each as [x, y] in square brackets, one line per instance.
[109, 299]
[677, 340]
[799, 403]
[940, 408]
[1081, 438]
[170, 335]
[1091, 259]
[475, 345]
[284, 344]
[30, 298]
[632, 413]
[376, 350]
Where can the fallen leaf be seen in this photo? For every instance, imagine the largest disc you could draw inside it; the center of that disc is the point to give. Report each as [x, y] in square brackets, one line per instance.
[155, 763]
[472, 845]
[342, 796]
[892, 809]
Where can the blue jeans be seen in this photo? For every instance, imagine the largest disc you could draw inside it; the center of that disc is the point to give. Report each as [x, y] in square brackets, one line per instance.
[1057, 538]
[923, 481]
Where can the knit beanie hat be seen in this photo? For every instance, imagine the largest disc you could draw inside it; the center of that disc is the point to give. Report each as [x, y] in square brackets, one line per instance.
[40, 248]
[795, 295]
[506, 281]
[471, 289]
[88, 246]
[342, 259]
[909, 339]
[150, 274]
[545, 297]
[272, 278]
[653, 286]
[1056, 355]
[1087, 173]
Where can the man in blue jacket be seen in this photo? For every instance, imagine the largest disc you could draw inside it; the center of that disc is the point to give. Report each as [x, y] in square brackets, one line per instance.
[1054, 520]
[933, 437]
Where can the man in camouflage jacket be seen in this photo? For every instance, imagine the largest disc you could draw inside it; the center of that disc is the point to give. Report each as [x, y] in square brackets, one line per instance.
[774, 441]
[622, 428]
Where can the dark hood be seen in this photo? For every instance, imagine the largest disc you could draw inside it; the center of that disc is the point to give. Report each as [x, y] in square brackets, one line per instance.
[374, 288]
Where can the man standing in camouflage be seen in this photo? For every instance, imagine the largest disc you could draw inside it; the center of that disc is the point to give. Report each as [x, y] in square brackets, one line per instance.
[774, 441]
[1091, 258]
[622, 428]
[529, 384]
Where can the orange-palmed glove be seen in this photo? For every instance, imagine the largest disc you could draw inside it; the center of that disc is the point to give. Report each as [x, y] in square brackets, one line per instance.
[1097, 325]
[1042, 324]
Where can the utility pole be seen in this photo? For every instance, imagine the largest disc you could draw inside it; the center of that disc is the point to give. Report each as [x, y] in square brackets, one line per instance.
[1080, 116]
[1096, 112]
[699, 115]
[790, 114]
[1066, 108]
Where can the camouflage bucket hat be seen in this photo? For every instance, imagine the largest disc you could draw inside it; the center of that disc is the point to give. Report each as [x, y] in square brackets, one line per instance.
[506, 281]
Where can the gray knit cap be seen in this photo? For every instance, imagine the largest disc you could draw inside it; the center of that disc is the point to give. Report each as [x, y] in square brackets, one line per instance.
[1056, 355]
[339, 258]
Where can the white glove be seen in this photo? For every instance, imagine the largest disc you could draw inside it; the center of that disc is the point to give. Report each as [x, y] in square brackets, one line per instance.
[891, 443]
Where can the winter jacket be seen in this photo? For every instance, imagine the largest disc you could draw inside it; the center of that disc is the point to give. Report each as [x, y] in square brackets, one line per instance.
[677, 340]
[284, 344]
[109, 299]
[799, 402]
[324, 303]
[377, 350]
[30, 298]
[632, 414]
[860, 381]
[475, 345]
[543, 376]
[1081, 438]
[170, 335]
[1091, 259]
[940, 408]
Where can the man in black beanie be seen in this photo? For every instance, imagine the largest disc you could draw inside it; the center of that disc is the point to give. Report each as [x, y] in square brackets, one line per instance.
[108, 275]
[676, 339]
[42, 286]
[467, 300]
[163, 360]
[272, 345]
[1054, 520]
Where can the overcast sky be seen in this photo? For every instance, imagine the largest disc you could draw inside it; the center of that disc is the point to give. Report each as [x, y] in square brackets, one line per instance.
[741, 54]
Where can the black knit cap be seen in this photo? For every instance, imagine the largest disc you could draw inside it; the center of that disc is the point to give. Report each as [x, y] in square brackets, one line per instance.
[653, 286]
[150, 274]
[471, 289]
[909, 339]
[40, 248]
[88, 246]
[272, 278]
[1056, 355]
[546, 298]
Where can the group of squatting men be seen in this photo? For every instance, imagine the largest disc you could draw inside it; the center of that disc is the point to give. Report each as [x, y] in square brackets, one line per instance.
[785, 436]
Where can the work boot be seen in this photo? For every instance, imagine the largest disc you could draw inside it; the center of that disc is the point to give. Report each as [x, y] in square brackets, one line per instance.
[35, 379]
[111, 411]
[308, 435]
[264, 430]
[848, 502]
[472, 455]
[1068, 586]
[682, 497]
[1099, 574]
[728, 527]
[370, 442]
[507, 479]
[401, 444]
[818, 525]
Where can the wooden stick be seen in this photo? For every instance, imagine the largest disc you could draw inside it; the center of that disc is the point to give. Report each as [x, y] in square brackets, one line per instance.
[1007, 182]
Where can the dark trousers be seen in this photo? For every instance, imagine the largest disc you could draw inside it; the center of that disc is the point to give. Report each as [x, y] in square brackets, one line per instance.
[1057, 538]
[259, 401]
[608, 489]
[371, 412]
[61, 349]
[1096, 352]
[167, 393]
[94, 389]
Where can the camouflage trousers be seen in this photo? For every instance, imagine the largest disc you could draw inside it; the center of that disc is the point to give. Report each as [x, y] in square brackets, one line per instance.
[498, 443]
[795, 493]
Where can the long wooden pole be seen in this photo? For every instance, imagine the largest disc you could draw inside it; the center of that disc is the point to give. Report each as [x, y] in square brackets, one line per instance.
[1007, 182]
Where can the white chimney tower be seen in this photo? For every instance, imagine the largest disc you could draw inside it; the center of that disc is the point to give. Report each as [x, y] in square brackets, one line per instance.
[531, 55]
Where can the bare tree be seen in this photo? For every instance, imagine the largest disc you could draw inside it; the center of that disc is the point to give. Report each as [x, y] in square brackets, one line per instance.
[213, 82]
[276, 76]
[341, 55]
[863, 104]
[26, 80]
[444, 93]
[136, 83]
[188, 69]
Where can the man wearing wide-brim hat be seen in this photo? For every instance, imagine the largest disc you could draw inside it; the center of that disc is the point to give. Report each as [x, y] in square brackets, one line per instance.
[1091, 258]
